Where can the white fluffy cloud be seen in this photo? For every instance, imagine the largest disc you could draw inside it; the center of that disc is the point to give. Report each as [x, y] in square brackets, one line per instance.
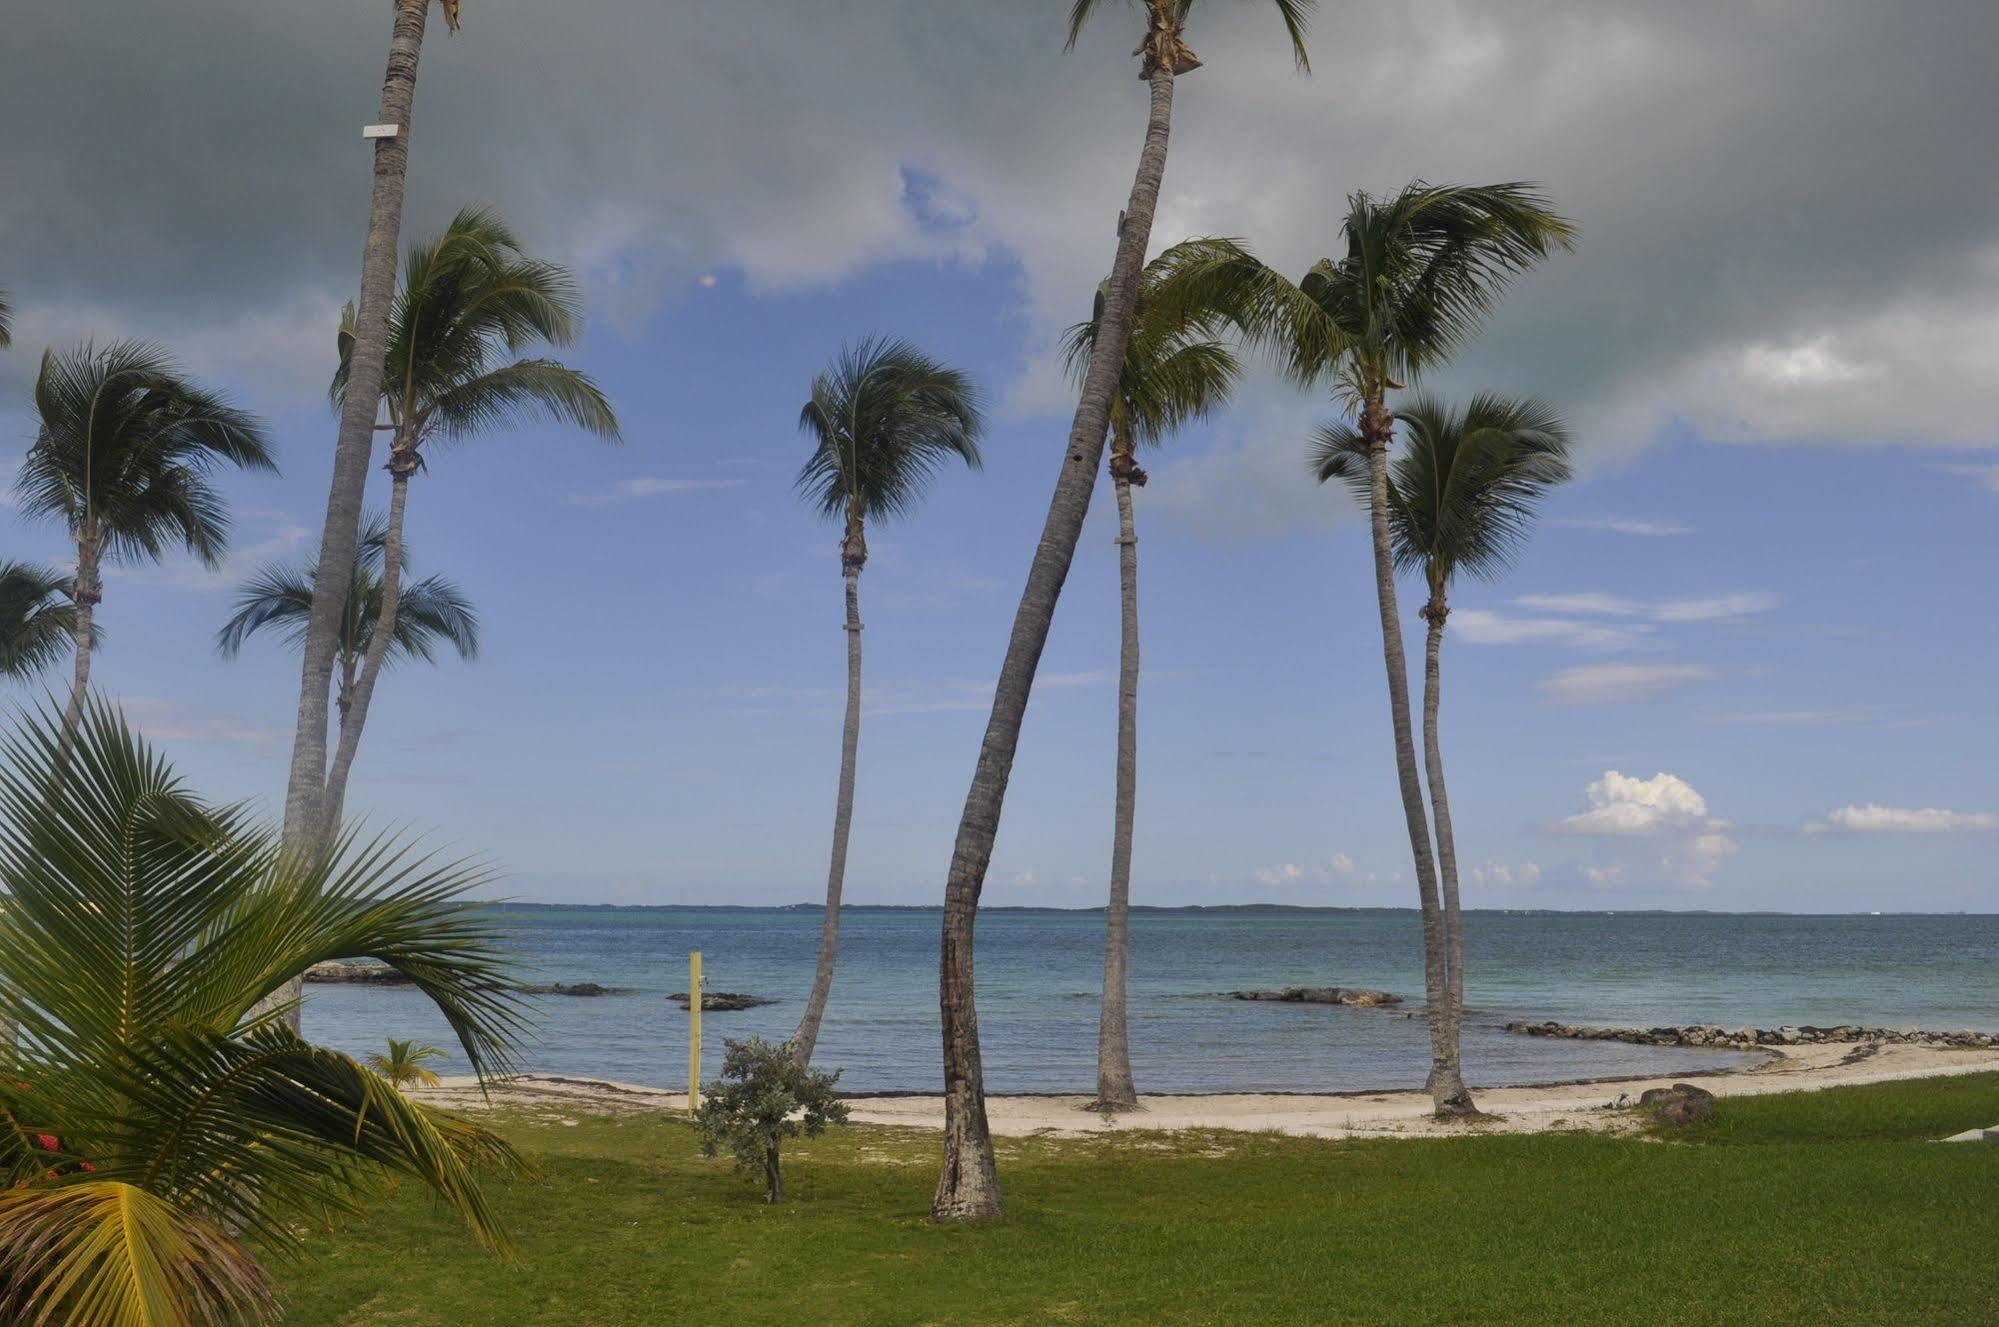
[1339, 868]
[1684, 843]
[1611, 684]
[1874, 818]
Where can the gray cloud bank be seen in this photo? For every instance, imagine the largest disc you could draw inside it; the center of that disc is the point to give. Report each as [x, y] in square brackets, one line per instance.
[1789, 213]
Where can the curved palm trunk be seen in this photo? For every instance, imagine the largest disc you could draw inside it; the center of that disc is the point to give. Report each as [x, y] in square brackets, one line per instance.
[86, 594]
[305, 815]
[1447, 858]
[968, 1187]
[807, 1036]
[1446, 1091]
[354, 708]
[1115, 1089]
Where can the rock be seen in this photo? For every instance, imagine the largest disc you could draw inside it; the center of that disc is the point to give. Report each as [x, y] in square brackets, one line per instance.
[1347, 995]
[712, 1001]
[354, 974]
[1682, 1103]
[567, 988]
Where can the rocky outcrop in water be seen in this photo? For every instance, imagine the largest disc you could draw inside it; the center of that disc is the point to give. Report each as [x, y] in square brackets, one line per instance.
[1350, 995]
[568, 988]
[1749, 1038]
[723, 1001]
[354, 974]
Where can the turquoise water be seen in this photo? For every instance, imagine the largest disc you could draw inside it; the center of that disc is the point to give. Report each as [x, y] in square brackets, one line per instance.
[1039, 972]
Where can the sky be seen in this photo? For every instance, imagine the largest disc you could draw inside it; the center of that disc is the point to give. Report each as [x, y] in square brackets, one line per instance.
[1745, 662]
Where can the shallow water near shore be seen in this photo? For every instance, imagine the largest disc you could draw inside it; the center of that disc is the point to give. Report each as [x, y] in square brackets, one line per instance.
[1039, 972]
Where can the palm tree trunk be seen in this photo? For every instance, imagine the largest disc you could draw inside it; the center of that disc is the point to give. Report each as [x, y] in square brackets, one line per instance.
[1378, 425]
[968, 1187]
[807, 1035]
[1461, 1103]
[355, 716]
[305, 816]
[1115, 1089]
[85, 594]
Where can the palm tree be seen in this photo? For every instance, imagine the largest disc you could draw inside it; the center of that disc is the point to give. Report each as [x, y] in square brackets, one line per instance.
[1175, 371]
[882, 421]
[407, 1064]
[430, 612]
[37, 619]
[6, 321]
[968, 1184]
[1422, 270]
[153, 1125]
[356, 441]
[471, 300]
[122, 458]
[1461, 497]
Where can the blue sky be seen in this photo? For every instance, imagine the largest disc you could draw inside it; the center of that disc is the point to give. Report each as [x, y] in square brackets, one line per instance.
[1745, 662]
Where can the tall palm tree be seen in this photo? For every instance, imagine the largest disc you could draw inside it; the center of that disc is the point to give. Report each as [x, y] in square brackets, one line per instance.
[1175, 371]
[37, 619]
[430, 612]
[1422, 270]
[968, 1184]
[154, 1126]
[470, 302]
[123, 456]
[305, 788]
[882, 421]
[1461, 497]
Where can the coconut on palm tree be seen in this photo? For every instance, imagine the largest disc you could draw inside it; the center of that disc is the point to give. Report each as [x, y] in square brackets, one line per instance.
[968, 1184]
[883, 419]
[1422, 270]
[37, 619]
[430, 613]
[124, 454]
[305, 789]
[158, 1132]
[1175, 371]
[1461, 497]
[471, 302]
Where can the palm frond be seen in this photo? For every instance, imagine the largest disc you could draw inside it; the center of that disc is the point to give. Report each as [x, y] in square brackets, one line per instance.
[37, 621]
[883, 420]
[129, 442]
[6, 321]
[1295, 14]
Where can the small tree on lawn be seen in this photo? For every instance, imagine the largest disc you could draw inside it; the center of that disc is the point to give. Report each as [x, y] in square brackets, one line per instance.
[763, 1097]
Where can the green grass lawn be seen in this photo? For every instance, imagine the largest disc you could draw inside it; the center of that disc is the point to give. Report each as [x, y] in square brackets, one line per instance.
[1826, 1208]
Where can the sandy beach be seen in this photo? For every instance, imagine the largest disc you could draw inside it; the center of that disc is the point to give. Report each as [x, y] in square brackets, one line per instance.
[1327, 1115]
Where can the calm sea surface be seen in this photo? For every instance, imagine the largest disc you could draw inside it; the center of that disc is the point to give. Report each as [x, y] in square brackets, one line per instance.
[1039, 973]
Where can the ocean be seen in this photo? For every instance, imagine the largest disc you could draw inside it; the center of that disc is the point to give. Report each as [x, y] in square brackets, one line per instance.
[1039, 973]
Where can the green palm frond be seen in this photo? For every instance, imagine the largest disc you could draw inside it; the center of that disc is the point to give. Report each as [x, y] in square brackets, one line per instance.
[1464, 486]
[1295, 14]
[471, 300]
[407, 1064]
[37, 620]
[429, 612]
[6, 321]
[883, 419]
[143, 930]
[1175, 369]
[128, 441]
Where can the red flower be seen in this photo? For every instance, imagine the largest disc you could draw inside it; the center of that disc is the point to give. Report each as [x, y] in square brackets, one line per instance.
[49, 1142]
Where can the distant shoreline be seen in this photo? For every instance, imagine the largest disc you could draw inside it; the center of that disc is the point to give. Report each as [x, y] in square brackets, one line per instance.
[1241, 909]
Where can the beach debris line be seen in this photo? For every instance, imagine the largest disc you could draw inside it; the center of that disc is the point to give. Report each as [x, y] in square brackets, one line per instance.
[1750, 1038]
[711, 1001]
[1347, 995]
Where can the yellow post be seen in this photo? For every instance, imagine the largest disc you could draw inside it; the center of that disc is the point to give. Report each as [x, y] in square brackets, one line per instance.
[694, 1031]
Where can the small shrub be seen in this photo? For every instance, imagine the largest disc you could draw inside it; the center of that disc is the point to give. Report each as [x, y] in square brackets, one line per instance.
[763, 1097]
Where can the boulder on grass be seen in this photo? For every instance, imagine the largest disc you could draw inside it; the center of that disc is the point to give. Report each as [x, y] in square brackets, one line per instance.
[1682, 1103]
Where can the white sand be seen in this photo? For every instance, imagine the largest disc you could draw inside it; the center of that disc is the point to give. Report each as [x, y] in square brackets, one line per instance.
[1359, 1115]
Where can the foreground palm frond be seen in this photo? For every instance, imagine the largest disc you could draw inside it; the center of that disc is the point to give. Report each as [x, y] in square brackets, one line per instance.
[155, 1122]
